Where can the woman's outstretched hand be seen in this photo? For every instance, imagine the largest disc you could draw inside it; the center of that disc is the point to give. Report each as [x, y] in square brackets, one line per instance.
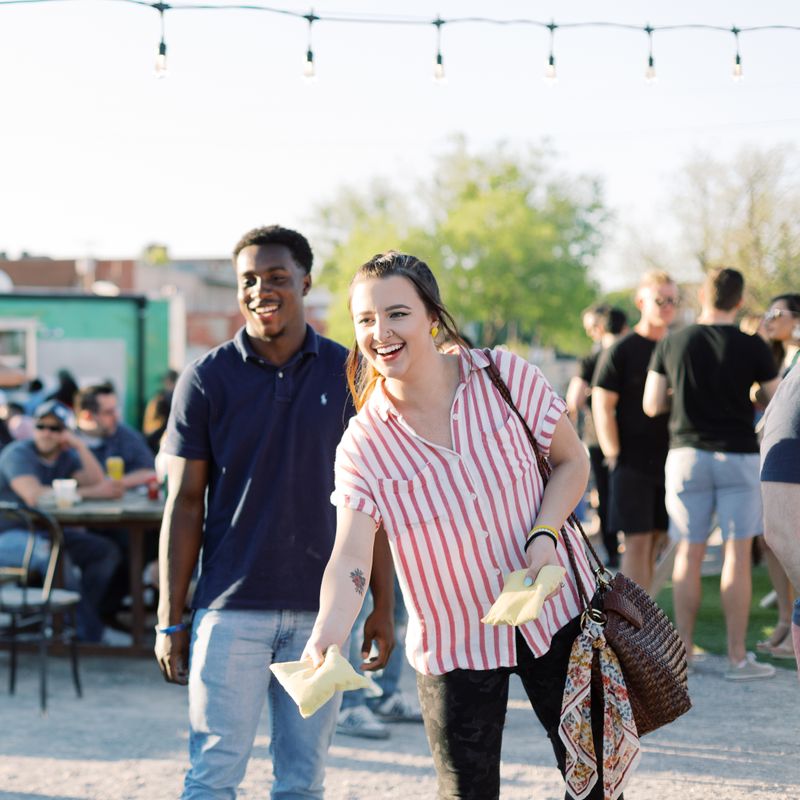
[314, 651]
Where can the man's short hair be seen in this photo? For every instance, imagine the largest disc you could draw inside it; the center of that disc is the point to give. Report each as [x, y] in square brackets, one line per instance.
[86, 399]
[615, 320]
[295, 242]
[724, 288]
[655, 277]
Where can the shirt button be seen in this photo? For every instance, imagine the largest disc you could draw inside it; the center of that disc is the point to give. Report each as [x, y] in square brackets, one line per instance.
[455, 416]
[485, 534]
[498, 572]
[280, 374]
[473, 496]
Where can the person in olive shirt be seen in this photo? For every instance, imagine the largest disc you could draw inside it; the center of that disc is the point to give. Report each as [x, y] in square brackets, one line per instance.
[635, 446]
[713, 464]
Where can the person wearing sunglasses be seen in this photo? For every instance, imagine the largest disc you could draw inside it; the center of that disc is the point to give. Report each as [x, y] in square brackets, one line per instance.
[782, 324]
[635, 446]
[27, 471]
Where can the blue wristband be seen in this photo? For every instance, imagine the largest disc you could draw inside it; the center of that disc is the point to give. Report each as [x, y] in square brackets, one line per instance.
[181, 626]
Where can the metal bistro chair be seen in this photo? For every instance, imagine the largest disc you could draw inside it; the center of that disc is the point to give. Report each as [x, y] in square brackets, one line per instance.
[29, 602]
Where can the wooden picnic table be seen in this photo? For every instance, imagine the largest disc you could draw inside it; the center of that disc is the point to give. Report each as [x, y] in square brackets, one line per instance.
[139, 517]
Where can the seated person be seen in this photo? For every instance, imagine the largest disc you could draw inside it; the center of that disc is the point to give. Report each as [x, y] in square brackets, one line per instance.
[99, 425]
[27, 471]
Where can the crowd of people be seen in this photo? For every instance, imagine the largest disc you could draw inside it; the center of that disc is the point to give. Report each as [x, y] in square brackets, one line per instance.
[72, 433]
[321, 497]
[674, 443]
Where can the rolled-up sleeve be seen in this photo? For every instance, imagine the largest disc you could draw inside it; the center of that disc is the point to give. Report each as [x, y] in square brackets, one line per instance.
[351, 489]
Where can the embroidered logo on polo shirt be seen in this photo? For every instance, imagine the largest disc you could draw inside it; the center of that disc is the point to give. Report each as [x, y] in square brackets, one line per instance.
[323, 399]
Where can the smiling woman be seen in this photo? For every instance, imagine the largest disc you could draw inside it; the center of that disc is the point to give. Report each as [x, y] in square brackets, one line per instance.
[437, 458]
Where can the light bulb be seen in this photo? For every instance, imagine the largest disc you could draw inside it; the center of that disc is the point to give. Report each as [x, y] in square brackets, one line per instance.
[438, 69]
[650, 72]
[309, 72]
[550, 70]
[737, 68]
[161, 61]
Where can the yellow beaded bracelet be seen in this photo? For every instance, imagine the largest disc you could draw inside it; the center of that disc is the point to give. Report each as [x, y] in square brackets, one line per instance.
[541, 530]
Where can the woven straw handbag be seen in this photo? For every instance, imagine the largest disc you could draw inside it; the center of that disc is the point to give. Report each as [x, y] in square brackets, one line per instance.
[650, 652]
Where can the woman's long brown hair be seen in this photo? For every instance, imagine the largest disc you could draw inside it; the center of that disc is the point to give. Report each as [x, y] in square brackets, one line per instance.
[361, 376]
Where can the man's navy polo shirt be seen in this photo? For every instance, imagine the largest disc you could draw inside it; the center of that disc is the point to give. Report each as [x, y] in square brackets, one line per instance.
[269, 435]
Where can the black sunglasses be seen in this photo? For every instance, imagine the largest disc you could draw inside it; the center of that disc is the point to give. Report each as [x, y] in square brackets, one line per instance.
[54, 428]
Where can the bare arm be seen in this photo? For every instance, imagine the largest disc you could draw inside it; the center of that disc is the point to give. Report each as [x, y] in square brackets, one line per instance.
[577, 395]
[179, 546]
[138, 477]
[344, 582]
[655, 400]
[766, 391]
[781, 529]
[91, 472]
[604, 412]
[29, 489]
[565, 488]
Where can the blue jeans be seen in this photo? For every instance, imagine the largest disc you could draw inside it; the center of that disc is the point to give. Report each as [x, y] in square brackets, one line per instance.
[389, 679]
[229, 679]
[95, 557]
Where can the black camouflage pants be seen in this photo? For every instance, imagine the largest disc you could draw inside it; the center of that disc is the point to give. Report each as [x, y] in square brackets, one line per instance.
[465, 710]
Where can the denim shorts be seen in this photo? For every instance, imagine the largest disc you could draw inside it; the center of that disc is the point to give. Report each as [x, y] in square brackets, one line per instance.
[705, 487]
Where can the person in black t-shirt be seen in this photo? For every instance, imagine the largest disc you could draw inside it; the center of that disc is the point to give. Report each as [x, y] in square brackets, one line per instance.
[712, 467]
[603, 325]
[635, 446]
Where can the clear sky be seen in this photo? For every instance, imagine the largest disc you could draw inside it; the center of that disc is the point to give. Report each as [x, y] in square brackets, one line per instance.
[100, 158]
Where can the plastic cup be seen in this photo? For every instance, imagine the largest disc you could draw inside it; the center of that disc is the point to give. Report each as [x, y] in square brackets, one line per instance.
[115, 467]
[66, 492]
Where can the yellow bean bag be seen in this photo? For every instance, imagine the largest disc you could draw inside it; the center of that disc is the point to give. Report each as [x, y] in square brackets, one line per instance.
[517, 603]
[311, 688]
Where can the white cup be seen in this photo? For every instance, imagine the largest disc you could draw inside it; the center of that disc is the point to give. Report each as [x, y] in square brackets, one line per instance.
[66, 492]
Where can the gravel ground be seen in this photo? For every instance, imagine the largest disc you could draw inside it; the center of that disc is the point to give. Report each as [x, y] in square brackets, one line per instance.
[127, 740]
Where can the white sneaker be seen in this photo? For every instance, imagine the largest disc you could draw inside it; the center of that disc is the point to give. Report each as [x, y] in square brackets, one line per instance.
[749, 670]
[360, 721]
[769, 600]
[398, 707]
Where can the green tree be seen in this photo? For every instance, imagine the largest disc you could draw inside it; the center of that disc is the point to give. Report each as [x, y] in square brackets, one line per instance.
[745, 214]
[510, 242]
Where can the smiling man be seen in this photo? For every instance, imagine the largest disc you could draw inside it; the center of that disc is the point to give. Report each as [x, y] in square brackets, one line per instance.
[251, 441]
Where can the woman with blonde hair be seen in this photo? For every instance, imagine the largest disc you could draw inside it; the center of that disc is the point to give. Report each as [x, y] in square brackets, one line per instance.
[437, 456]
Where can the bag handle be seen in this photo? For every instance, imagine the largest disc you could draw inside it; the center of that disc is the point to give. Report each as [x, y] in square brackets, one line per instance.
[545, 470]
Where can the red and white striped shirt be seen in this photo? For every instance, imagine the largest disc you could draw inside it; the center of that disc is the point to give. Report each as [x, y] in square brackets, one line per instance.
[457, 519]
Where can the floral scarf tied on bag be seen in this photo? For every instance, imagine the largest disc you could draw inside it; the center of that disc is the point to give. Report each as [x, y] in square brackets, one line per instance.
[620, 738]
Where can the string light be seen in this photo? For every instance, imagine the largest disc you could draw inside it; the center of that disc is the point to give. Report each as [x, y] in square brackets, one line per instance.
[737, 62]
[650, 72]
[438, 67]
[161, 55]
[309, 71]
[550, 69]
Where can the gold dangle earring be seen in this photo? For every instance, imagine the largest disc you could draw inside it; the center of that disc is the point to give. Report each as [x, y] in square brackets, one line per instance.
[434, 331]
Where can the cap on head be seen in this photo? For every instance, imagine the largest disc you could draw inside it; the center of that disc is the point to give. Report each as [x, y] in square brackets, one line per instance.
[52, 408]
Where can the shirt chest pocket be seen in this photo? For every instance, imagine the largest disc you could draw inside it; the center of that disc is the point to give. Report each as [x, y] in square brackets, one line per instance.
[507, 455]
[410, 504]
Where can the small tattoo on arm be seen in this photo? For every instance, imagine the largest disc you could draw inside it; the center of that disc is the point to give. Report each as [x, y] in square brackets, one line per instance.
[359, 581]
